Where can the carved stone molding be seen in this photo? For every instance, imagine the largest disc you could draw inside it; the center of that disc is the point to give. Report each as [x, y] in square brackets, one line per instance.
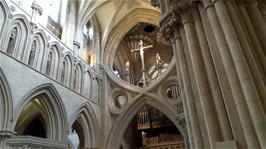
[169, 24]
[37, 8]
[179, 6]
[5, 134]
[34, 142]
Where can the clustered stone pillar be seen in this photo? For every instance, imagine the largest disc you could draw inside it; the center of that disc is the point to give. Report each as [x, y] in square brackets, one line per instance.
[220, 52]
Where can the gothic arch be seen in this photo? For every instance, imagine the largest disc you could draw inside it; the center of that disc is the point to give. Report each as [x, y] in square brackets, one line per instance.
[122, 121]
[40, 38]
[66, 72]
[79, 77]
[51, 103]
[4, 18]
[89, 126]
[87, 84]
[136, 16]
[23, 27]
[95, 52]
[95, 89]
[55, 51]
[5, 102]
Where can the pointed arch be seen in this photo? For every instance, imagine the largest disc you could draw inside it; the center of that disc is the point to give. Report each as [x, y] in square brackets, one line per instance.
[52, 59]
[89, 126]
[18, 34]
[95, 89]
[87, 83]
[4, 15]
[91, 41]
[6, 103]
[78, 77]
[40, 40]
[136, 16]
[123, 120]
[67, 65]
[111, 42]
[50, 101]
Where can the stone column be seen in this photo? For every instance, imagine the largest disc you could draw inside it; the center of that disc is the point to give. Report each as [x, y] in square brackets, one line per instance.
[212, 78]
[190, 142]
[257, 21]
[253, 65]
[167, 4]
[36, 9]
[171, 28]
[234, 82]
[223, 80]
[247, 85]
[188, 91]
[257, 49]
[162, 6]
[213, 131]
[76, 49]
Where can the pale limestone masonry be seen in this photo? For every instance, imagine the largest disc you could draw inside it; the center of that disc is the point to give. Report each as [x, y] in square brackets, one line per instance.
[220, 48]
[219, 65]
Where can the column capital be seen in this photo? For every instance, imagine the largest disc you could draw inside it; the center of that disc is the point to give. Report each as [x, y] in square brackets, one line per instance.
[169, 25]
[179, 6]
[37, 8]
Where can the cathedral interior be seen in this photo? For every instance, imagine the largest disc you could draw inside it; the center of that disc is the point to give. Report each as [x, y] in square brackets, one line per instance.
[132, 74]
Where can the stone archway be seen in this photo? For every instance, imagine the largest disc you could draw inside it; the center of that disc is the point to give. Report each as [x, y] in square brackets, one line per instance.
[86, 126]
[43, 100]
[5, 102]
[123, 120]
[133, 18]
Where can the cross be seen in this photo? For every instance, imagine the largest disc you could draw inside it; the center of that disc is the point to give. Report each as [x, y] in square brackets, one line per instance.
[141, 51]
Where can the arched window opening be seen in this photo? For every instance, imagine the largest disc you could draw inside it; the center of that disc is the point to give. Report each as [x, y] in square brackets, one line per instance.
[49, 64]
[63, 72]
[36, 128]
[87, 85]
[173, 92]
[88, 43]
[75, 80]
[32, 53]
[12, 41]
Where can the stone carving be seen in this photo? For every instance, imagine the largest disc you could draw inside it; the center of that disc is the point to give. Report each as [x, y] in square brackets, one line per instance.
[179, 6]
[155, 3]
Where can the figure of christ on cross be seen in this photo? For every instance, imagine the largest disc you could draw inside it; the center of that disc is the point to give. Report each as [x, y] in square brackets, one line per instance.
[141, 51]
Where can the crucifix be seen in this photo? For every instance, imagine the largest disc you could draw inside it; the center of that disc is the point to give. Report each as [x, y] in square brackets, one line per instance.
[141, 51]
